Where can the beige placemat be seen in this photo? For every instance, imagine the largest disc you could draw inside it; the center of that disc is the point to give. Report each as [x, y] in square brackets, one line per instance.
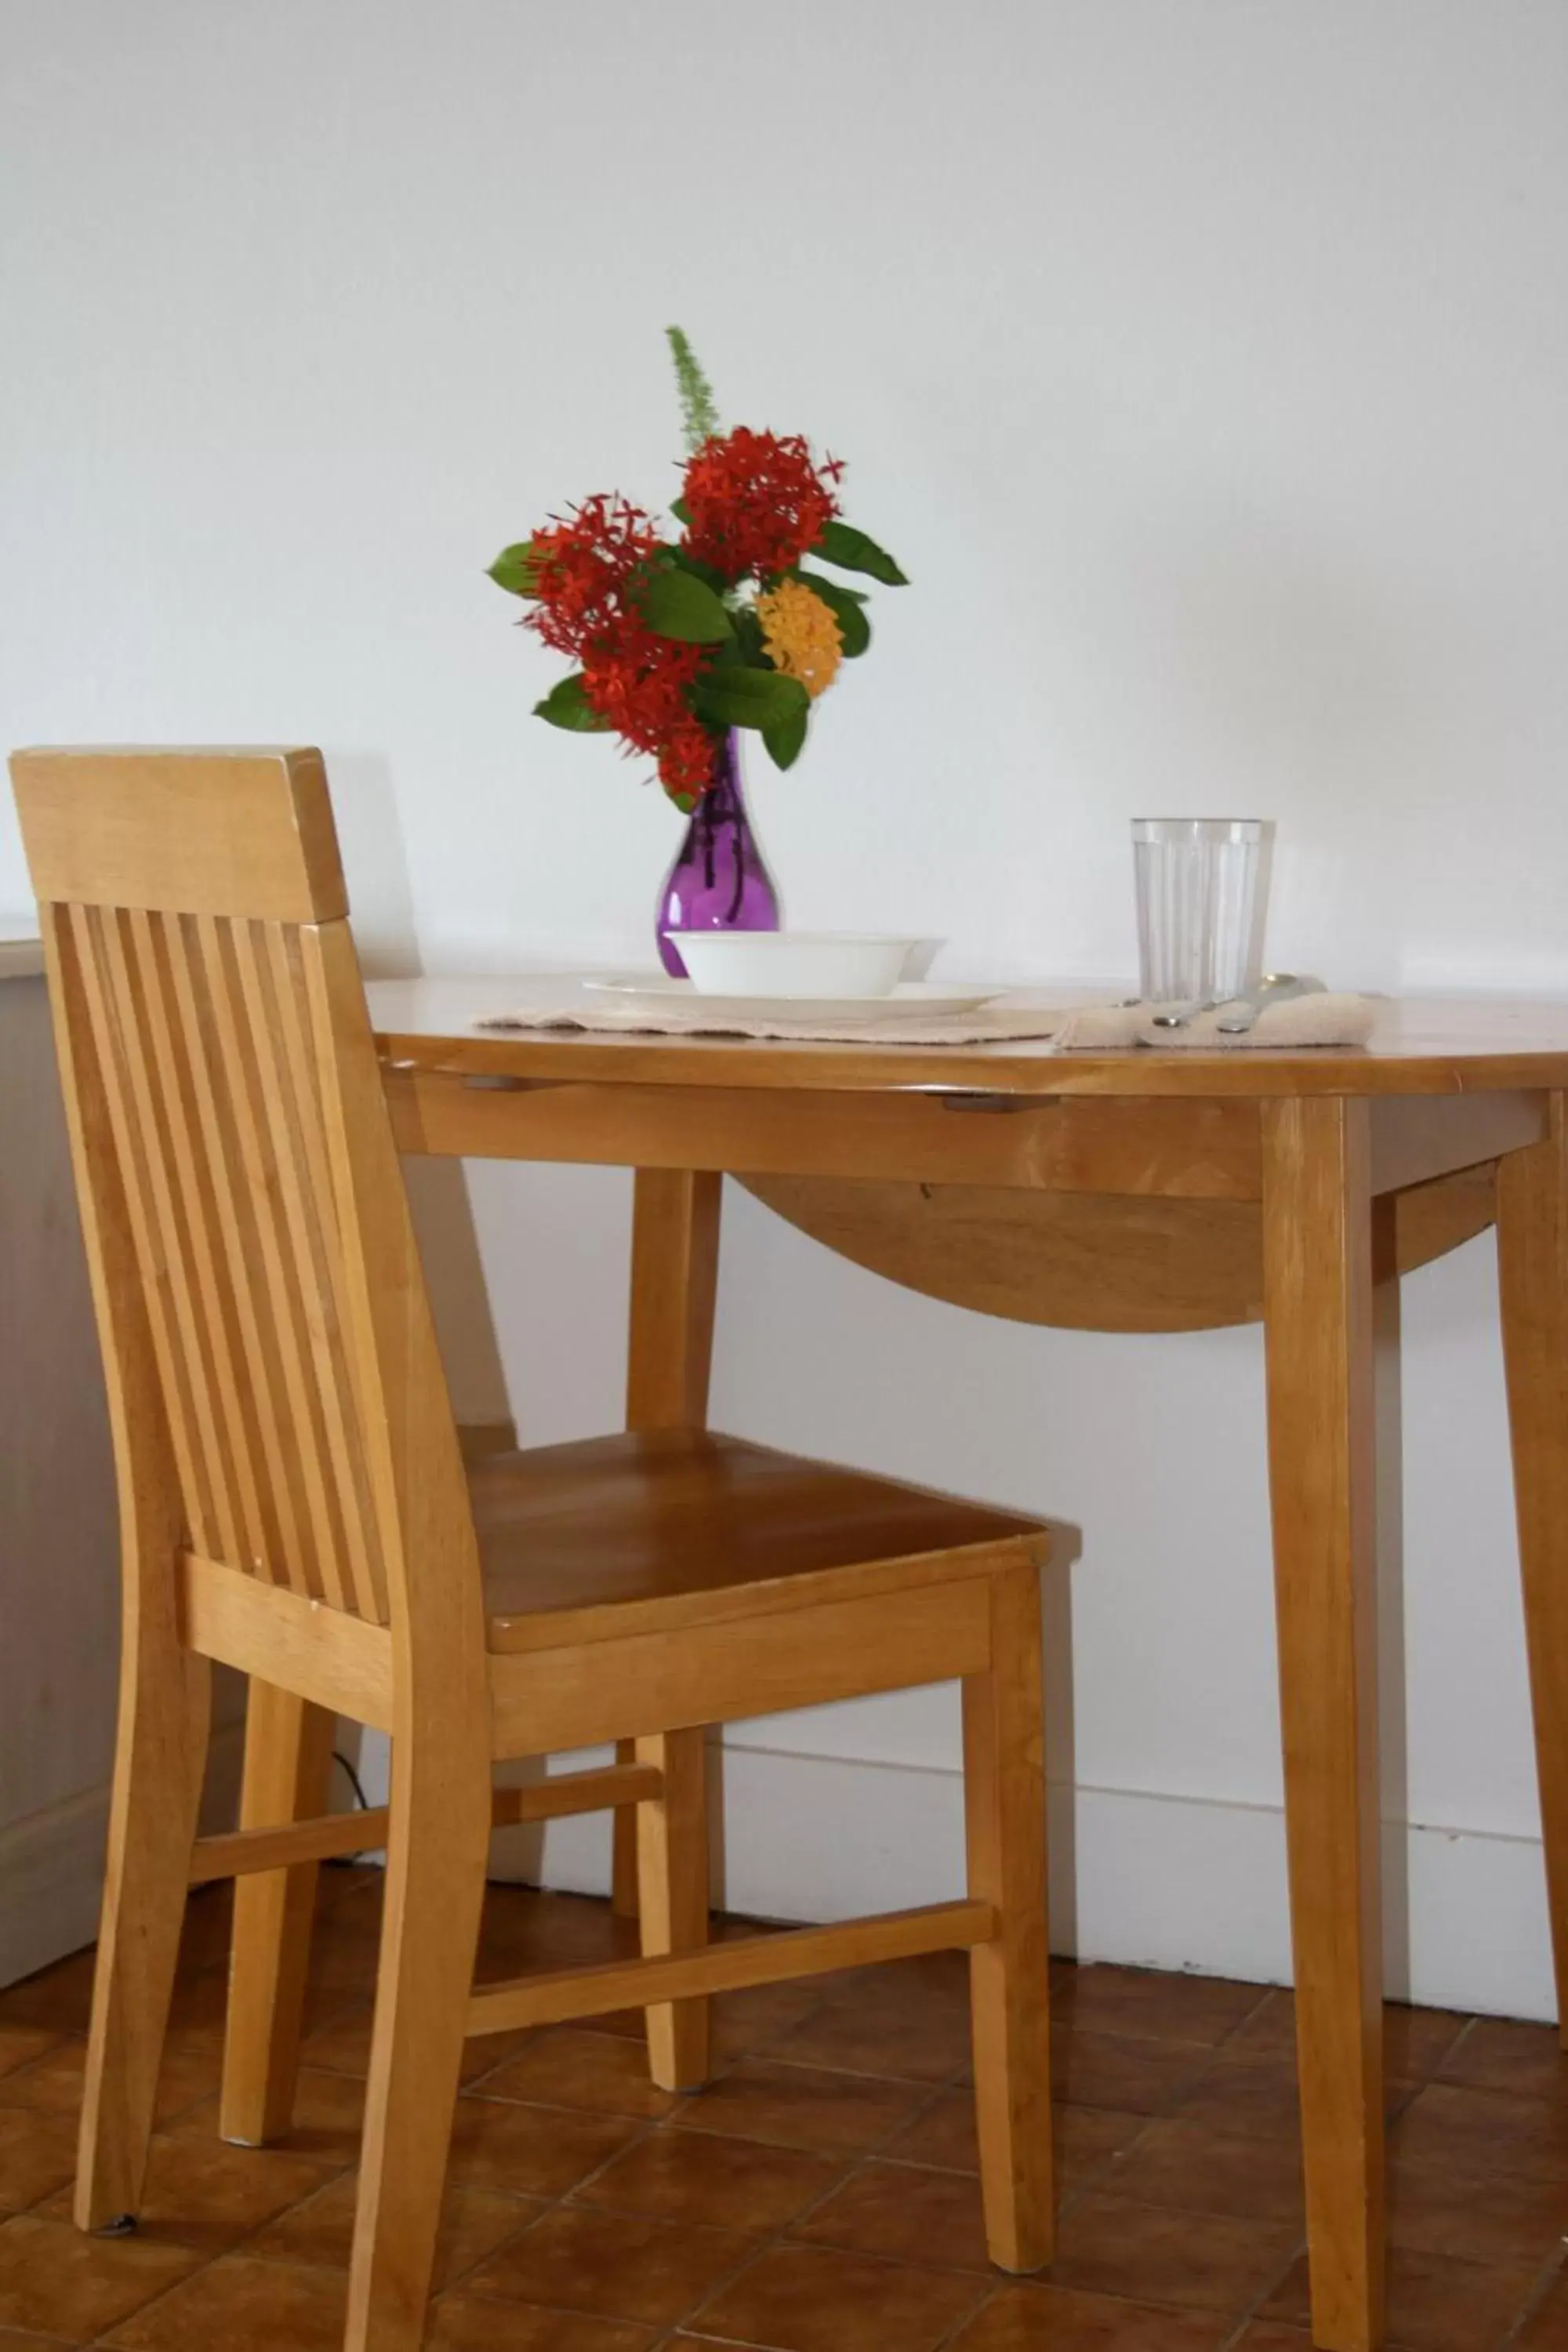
[1015, 1017]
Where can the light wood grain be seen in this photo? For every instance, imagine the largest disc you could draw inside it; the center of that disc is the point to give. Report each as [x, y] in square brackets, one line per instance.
[803, 1656]
[675, 1274]
[288, 1766]
[669, 1355]
[440, 1800]
[672, 1864]
[296, 1502]
[236, 1852]
[199, 1032]
[1431, 1219]
[1005, 1804]
[1197, 1150]
[435, 1891]
[1103, 1262]
[239, 1854]
[655, 1530]
[160, 1760]
[164, 1693]
[1439, 1046]
[1317, 1275]
[323, 1655]
[1082, 1261]
[226, 832]
[1415, 1138]
[546, 1998]
[1532, 1259]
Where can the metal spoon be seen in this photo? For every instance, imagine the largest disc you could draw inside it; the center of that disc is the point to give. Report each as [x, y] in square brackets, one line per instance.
[1180, 1020]
[1274, 988]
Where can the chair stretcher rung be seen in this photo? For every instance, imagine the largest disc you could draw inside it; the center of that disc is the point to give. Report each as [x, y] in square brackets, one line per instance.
[548, 1997]
[238, 1852]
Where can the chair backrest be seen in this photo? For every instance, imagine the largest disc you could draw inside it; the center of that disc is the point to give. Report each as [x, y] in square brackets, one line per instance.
[272, 1359]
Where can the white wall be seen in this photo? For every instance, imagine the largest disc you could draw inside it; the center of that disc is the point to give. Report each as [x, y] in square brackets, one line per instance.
[1204, 363]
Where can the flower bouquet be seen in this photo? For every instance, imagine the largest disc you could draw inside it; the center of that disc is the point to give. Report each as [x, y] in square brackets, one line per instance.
[679, 639]
[683, 641]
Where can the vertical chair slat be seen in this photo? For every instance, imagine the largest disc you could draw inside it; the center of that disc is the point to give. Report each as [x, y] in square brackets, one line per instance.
[187, 1199]
[87, 928]
[307, 1191]
[300, 1257]
[153, 1123]
[256, 1374]
[252, 1212]
[236, 1031]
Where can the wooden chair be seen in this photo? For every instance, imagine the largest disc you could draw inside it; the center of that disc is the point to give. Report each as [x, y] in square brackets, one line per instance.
[294, 1502]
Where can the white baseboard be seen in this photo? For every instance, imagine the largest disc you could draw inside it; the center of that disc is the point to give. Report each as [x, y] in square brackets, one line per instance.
[1165, 1882]
[51, 1864]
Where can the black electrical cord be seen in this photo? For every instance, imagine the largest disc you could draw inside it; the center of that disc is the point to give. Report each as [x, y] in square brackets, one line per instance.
[362, 1801]
[361, 1805]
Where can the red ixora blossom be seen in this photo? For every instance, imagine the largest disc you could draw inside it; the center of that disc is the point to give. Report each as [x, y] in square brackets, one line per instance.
[638, 682]
[583, 566]
[757, 502]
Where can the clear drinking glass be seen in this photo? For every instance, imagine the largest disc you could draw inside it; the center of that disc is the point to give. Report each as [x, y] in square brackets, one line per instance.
[1199, 939]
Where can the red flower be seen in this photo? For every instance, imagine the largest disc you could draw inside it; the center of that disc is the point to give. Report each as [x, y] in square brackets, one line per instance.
[757, 502]
[583, 568]
[640, 683]
[686, 760]
[637, 681]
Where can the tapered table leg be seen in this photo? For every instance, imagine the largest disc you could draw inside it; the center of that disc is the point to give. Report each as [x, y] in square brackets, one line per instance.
[1532, 1262]
[1318, 1300]
[669, 1354]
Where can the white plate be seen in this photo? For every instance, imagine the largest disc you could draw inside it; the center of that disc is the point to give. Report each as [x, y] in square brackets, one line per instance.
[911, 1000]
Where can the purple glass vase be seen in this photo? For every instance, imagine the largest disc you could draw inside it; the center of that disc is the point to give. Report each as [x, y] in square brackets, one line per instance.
[718, 881]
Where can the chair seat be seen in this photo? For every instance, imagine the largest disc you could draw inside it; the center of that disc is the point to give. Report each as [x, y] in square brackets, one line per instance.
[670, 1525]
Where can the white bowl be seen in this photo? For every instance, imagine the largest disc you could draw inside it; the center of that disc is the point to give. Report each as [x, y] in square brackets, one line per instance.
[792, 963]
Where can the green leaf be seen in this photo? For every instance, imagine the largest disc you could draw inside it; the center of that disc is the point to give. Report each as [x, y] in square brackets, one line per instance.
[681, 510]
[684, 561]
[675, 604]
[853, 552]
[748, 697]
[567, 706]
[785, 740]
[748, 637]
[846, 608]
[516, 569]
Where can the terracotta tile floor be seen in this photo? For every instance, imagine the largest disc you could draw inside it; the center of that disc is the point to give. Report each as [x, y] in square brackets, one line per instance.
[819, 2196]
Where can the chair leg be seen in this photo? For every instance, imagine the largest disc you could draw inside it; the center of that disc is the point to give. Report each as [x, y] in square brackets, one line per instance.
[672, 1872]
[1005, 1802]
[160, 1758]
[436, 1854]
[288, 1766]
[623, 1851]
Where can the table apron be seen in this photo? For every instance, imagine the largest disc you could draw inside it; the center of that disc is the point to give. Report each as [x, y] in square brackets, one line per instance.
[1417, 1137]
[1150, 1146]
[1202, 1149]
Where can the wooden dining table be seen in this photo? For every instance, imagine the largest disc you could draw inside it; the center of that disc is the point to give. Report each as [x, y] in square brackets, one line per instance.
[1138, 1191]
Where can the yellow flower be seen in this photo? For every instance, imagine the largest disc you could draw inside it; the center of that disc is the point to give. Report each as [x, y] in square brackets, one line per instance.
[802, 636]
